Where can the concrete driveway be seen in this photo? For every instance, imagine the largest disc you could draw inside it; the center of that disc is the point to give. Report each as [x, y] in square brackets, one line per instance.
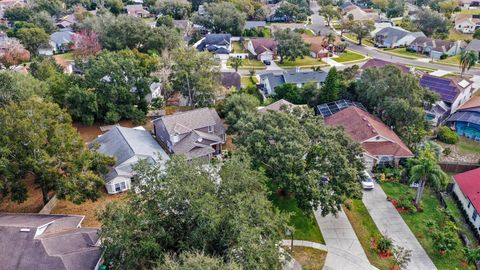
[344, 250]
[390, 223]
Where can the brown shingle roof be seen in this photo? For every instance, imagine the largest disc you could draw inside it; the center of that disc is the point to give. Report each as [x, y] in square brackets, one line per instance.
[378, 63]
[362, 126]
[261, 45]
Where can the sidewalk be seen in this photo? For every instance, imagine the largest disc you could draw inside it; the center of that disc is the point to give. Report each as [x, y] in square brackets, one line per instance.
[332, 62]
[390, 223]
[344, 250]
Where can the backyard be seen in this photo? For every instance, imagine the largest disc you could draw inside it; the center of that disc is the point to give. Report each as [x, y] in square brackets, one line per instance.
[33, 204]
[237, 47]
[464, 150]
[304, 224]
[306, 61]
[366, 230]
[348, 56]
[432, 211]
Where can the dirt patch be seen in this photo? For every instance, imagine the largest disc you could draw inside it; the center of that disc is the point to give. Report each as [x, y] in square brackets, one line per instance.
[89, 209]
[309, 258]
[229, 146]
[90, 133]
[33, 204]
[464, 151]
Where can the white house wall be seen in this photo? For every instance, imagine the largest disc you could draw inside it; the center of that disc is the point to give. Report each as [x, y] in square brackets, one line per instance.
[465, 203]
[110, 186]
[463, 97]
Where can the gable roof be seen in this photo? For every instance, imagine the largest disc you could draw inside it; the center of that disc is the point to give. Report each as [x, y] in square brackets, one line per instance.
[277, 106]
[63, 245]
[62, 37]
[135, 9]
[361, 126]
[466, 18]
[230, 79]
[394, 34]
[184, 122]
[319, 43]
[378, 63]
[125, 143]
[474, 45]
[469, 184]
[436, 44]
[261, 45]
[294, 77]
[254, 24]
[472, 103]
[448, 88]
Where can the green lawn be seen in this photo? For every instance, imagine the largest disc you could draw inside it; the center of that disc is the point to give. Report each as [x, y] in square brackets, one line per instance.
[366, 42]
[306, 61]
[468, 146]
[453, 60]
[247, 80]
[305, 224]
[348, 56]
[460, 220]
[365, 229]
[237, 47]
[454, 35]
[309, 32]
[251, 63]
[416, 222]
[423, 68]
[66, 56]
[470, 11]
[402, 52]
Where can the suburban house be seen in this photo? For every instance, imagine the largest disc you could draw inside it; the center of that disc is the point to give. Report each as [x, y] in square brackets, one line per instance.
[393, 37]
[277, 106]
[378, 63]
[379, 26]
[136, 10]
[358, 13]
[44, 242]
[69, 21]
[263, 48]
[320, 47]
[466, 120]
[467, 23]
[219, 44]
[231, 80]
[435, 48]
[467, 189]
[60, 41]
[254, 25]
[194, 134]
[381, 146]
[474, 45]
[128, 146]
[454, 91]
[469, 4]
[268, 81]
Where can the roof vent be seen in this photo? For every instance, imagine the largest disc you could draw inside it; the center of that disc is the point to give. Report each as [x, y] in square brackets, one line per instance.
[374, 131]
[24, 230]
[368, 125]
[364, 118]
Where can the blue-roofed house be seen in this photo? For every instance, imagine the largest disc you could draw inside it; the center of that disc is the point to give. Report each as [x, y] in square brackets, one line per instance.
[393, 37]
[269, 81]
[466, 120]
[454, 91]
[128, 146]
[215, 43]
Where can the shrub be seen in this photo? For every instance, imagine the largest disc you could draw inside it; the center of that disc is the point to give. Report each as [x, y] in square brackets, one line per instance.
[446, 135]
[443, 56]
[112, 117]
[447, 151]
[408, 49]
[385, 244]
[88, 119]
[138, 117]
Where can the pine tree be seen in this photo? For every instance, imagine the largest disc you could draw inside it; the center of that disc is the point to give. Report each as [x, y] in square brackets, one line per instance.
[331, 88]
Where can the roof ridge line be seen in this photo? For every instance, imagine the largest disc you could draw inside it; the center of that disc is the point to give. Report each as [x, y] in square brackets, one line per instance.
[123, 136]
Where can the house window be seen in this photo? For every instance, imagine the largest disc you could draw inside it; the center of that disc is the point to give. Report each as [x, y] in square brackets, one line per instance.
[210, 129]
[469, 203]
[474, 215]
[120, 186]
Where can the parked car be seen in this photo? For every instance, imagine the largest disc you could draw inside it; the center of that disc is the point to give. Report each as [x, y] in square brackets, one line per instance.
[267, 62]
[367, 181]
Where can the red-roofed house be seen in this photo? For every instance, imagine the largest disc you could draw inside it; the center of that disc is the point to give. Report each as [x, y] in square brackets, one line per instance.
[467, 189]
[263, 48]
[380, 144]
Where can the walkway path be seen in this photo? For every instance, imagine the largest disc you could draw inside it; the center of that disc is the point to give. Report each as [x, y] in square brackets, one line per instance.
[344, 250]
[332, 62]
[390, 223]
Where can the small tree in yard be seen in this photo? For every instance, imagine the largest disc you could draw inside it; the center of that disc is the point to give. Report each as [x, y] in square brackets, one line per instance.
[401, 257]
[385, 245]
[330, 12]
[425, 170]
[236, 63]
[468, 60]
[86, 44]
[361, 29]
[290, 45]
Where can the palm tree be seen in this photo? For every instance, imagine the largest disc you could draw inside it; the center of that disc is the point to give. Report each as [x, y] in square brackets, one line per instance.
[426, 170]
[467, 60]
[331, 41]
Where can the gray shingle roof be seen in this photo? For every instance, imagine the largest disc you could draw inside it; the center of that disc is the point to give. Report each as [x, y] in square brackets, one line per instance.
[124, 143]
[436, 44]
[294, 77]
[393, 34]
[62, 246]
[254, 24]
[474, 45]
[62, 37]
[184, 122]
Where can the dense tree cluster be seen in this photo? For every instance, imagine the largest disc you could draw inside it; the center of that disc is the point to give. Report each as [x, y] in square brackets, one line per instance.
[222, 212]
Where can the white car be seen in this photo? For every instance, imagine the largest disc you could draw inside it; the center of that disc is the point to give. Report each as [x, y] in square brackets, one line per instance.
[367, 182]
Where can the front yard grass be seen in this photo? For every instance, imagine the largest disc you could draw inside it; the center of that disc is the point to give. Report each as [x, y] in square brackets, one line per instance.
[366, 230]
[416, 223]
[454, 35]
[306, 61]
[309, 258]
[237, 47]
[252, 64]
[366, 42]
[348, 56]
[402, 52]
[305, 224]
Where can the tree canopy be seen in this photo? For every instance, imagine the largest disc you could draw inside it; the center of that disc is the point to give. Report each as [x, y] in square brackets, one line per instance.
[296, 151]
[38, 138]
[222, 17]
[290, 45]
[188, 208]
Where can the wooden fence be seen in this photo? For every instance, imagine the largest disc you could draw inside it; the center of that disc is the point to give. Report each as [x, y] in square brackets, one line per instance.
[458, 167]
